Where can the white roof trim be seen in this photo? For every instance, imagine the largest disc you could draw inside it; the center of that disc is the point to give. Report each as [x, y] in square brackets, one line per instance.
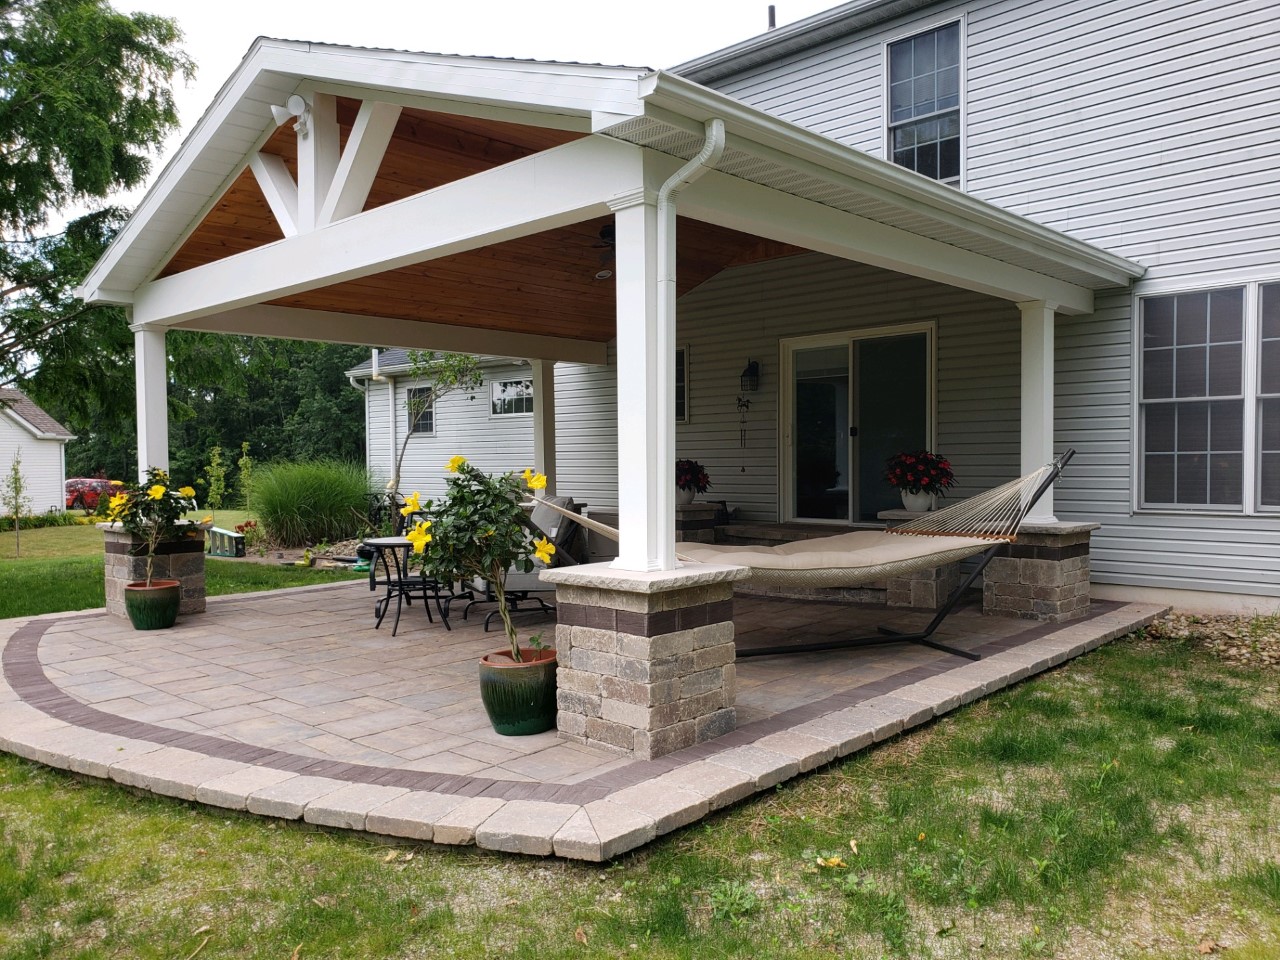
[32, 429]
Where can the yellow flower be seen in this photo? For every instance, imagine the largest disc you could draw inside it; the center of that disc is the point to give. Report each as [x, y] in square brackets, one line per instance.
[418, 536]
[455, 464]
[543, 548]
[528, 474]
[157, 492]
[208, 518]
[187, 492]
[537, 482]
[117, 483]
[116, 506]
[411, 504]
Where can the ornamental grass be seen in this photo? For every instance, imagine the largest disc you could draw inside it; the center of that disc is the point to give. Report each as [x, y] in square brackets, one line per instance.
[309, 501]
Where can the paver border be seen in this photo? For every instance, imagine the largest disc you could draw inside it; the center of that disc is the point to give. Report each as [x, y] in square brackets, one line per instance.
[602, 816]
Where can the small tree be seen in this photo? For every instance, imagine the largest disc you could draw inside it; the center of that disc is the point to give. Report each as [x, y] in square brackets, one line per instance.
[447, 373]
[216, 472]
[245, 463]
[16, 501]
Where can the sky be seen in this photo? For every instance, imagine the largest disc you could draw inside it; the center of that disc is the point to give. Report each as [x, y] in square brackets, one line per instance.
[647, 33]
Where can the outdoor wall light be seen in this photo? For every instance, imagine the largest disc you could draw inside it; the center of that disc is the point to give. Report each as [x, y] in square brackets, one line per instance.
[295, 106]
[751, 377]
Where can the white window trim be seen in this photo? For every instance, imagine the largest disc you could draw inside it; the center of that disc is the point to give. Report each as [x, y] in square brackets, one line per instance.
[915, 29]
[1251, 464]
[434, 411]
[787, 347]
[514, 379]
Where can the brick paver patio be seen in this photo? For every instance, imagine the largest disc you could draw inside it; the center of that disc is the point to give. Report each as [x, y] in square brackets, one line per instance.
[290, 704]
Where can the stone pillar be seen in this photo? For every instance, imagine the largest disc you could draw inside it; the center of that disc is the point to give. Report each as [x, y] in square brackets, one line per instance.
[126, 562]
[1043, 576]
[924, 589]
[696, 522]
[646, 659]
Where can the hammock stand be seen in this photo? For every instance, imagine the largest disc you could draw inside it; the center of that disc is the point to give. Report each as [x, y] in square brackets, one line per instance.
[982, 524]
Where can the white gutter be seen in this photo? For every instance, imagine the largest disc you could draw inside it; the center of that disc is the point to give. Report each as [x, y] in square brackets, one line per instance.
[665, 325]
[394, 481]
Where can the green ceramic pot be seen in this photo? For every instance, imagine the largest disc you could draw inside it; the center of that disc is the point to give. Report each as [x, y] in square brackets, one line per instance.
[520, 698]
[152, 607]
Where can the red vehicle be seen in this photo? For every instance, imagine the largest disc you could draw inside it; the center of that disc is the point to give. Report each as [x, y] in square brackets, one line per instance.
[83, 493]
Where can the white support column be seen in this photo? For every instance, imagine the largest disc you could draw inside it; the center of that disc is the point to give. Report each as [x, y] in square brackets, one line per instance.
[1037, 397]
[544, 422]
[152, 378]
[646, 388]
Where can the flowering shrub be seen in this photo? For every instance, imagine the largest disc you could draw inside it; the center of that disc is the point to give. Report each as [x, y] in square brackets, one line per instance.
[920, 472]
[151, 511]
[691, 476]
[479, 530]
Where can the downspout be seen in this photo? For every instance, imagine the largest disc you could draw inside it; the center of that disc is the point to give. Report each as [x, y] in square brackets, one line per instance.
[707, 158]
[394, 482]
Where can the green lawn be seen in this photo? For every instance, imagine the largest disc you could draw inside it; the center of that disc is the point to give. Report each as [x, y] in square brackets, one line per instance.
[61, 569]
[1123, 806]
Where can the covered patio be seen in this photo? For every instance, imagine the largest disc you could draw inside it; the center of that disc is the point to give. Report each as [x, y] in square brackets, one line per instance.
[555, 213]
[291, 705]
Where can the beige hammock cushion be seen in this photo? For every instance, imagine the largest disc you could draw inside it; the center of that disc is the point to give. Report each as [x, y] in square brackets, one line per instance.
[845, 560]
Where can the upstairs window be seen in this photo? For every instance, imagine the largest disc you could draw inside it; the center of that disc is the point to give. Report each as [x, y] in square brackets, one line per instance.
[510, 397]
[422, 411]
[924, 103]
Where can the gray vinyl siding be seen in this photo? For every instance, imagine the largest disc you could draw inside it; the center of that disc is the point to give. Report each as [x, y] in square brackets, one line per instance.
[746, 311]
[1148, 127]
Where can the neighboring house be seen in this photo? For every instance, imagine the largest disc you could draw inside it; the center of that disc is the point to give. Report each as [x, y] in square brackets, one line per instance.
[29, 432]
[995, 228]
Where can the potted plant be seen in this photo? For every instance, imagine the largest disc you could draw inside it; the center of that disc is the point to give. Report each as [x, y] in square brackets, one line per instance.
[152, 512]
[691, 478]
[479, 530]
[919, 477]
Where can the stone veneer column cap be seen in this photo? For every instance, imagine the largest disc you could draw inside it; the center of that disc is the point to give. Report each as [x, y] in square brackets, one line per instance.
[604, 576]
[1060, 528]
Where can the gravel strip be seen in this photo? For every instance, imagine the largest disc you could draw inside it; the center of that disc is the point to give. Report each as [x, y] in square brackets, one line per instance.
[1249, 641]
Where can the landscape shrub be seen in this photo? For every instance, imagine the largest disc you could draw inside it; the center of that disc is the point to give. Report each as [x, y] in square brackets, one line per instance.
[38, 520]
[311, 501]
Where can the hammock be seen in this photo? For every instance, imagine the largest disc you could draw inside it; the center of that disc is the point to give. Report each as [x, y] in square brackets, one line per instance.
[981, 524]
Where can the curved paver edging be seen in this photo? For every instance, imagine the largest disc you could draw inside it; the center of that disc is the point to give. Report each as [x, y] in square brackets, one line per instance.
[595, 820]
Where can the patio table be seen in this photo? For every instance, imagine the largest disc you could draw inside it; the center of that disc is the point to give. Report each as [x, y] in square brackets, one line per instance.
[391, 554]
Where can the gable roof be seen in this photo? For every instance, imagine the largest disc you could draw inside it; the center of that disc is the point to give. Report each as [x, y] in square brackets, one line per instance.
[19, 407]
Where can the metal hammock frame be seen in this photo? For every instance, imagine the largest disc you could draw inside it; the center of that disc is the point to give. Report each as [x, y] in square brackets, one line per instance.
[989, 520]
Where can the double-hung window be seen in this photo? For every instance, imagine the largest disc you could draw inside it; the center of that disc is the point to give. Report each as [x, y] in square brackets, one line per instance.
[422, 410]
[924, 103]
[1209, 400]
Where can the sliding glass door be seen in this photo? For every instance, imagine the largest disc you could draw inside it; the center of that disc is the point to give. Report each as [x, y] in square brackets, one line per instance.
[855, 400]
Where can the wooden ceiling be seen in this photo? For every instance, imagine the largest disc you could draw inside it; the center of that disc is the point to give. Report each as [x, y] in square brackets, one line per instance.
[541, 284]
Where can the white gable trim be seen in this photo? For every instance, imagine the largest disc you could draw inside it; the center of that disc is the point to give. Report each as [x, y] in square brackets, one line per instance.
[30, 428]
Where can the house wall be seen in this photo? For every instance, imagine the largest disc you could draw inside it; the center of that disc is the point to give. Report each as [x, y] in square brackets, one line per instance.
[42, 465]
[1148, 127]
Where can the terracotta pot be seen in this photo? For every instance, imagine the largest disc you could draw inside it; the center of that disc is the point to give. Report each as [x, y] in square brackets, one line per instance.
[520, 698]
[153, 607]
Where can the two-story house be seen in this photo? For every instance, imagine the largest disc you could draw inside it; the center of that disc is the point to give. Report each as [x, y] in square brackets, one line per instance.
[991, 228]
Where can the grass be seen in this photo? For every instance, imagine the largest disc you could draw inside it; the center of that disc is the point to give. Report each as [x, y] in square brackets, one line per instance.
[1122, 806]
[61, 569]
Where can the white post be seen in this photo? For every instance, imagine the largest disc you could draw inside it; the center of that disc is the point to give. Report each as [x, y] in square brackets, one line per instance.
[318, 157]
[1037, 397]
[152, 378]
[544, 422]
[646, 389]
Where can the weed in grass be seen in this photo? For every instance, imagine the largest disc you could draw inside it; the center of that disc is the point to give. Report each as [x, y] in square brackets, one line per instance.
[1262, 881]
[732, 900]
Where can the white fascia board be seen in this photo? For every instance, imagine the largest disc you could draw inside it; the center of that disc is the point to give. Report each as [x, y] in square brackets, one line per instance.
[550, 189]
[754, 131]
[325, 326]
[530, 92]
[36, 431]
[751, 208]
